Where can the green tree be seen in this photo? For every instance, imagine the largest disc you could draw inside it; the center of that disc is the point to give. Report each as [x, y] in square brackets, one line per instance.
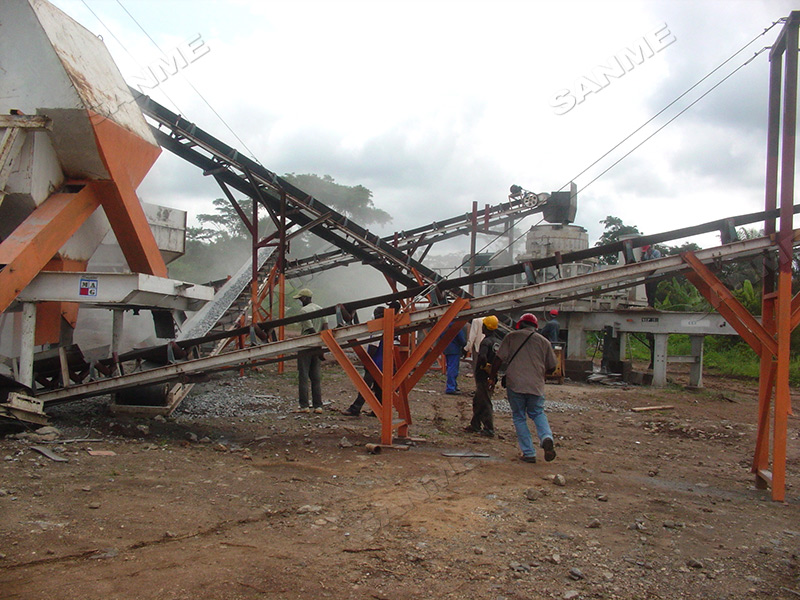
[678, 294]
[354, 202]
[614, 229]
[220, 245]
[673, 250]
[225, 225]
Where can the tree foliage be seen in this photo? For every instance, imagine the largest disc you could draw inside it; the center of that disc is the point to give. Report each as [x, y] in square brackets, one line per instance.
[614, 230]
[225, 225]
[222, 242]
[678, 294]
[354, 202]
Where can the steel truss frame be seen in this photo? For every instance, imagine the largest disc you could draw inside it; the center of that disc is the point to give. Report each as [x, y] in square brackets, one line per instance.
[402, 371]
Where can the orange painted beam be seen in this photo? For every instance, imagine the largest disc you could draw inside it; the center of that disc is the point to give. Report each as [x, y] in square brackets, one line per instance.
[388, 379]
[49, 315]
[128, 158]
[351, 371]
[783, 406]
[766, 388]
[39, 237]
[728, 306]
[795, 311]
[420, 357]
[401, 398]
[766, 385]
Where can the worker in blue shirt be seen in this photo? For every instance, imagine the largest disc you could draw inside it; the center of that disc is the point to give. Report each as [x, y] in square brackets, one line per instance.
[452, 356]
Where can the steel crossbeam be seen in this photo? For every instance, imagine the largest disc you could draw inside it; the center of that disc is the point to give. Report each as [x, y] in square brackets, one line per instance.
[430, 317]
[410, 241]
[191, 143]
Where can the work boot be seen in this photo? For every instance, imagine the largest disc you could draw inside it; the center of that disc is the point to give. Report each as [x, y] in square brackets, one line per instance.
[549, 449]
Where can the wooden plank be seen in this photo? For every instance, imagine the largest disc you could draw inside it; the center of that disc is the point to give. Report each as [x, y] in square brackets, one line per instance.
[466, 454]
[647, 408]
[63, 363]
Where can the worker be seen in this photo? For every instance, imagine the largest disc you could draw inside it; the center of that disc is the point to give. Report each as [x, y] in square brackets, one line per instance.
[452, 357]
[526, 356]
[552, 328]
[482, 410]
[474, 339]
[375, 352]
[650, 286]
[309, 362]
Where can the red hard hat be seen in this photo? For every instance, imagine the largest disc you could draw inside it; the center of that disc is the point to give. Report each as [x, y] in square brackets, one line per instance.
[528, 318]
[554, 312]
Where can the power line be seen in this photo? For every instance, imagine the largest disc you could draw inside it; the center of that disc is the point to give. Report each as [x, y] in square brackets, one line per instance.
[207, 103]
[108, 29]
[748, 61]
[637, 146]
[643, 125]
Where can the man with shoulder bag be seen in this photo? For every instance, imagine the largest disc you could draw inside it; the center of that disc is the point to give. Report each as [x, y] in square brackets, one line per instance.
[526, 357]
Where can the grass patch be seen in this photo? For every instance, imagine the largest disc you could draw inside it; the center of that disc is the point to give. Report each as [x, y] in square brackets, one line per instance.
[722, 355]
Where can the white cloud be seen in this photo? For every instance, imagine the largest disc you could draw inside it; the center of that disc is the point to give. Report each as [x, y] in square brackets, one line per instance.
[434, 105]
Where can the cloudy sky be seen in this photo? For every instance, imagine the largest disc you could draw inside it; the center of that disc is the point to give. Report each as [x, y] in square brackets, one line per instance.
[433, 105]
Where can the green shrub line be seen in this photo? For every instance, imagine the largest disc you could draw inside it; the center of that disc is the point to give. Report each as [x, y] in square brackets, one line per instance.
[727, 356]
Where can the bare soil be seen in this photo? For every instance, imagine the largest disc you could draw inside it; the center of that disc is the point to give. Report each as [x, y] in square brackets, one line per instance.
[272, 504]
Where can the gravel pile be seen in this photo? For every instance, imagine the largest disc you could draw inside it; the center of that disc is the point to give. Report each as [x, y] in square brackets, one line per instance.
[231, 398]
[501, 405]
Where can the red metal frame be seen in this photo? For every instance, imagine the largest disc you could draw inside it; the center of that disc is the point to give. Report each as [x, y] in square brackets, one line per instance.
[780, 313]
[401, 369]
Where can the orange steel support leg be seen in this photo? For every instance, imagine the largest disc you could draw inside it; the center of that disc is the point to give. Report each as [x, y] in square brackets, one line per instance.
[352, 372]
[37, 239]
[51, 315]
[281, 313]
[401, 401]
[781, 149]
[766, 387]
[127, 157]
[388, 381]
[782, 398]
[756, 336]
[397, 383]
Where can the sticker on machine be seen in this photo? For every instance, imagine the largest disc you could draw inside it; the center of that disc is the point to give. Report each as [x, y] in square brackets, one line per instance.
[88, 286]
[696, 323]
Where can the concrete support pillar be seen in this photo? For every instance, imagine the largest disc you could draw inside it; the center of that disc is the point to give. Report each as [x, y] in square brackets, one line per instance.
[623, 345]
[696, 368]
[27, 344]
[660, 359]
[576, 338]
[118, 320]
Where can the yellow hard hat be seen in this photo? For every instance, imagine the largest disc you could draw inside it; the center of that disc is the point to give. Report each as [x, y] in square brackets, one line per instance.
[490, 322]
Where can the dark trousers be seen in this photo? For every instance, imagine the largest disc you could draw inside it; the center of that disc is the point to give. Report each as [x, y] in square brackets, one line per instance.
[309, 373]
[355, 407]
[482, 411]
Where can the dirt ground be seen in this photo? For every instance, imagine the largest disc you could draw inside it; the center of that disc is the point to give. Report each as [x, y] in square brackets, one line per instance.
[265, 503]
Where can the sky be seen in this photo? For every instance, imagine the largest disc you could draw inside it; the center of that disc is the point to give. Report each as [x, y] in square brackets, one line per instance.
[435, 105]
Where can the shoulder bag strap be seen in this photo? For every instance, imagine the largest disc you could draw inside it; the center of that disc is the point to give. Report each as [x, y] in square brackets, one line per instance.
[520, 348]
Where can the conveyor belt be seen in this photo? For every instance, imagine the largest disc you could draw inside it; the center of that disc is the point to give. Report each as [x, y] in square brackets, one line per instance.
[231, 168]
[513, 300]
